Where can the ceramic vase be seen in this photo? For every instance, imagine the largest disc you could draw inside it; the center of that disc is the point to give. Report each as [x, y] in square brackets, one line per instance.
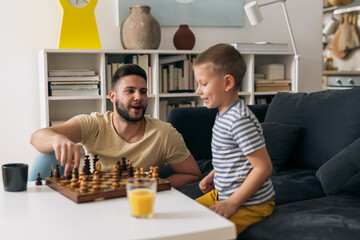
[184, 38]
[140, 30]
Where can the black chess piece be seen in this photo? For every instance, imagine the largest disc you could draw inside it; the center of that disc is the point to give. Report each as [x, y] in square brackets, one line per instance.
[123, 165]
[38, 180]
[51, 174]
[87, 165]
[56, 170]
[95, 160]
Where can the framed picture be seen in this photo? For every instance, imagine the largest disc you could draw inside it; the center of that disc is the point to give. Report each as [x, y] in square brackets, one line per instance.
[195, 13]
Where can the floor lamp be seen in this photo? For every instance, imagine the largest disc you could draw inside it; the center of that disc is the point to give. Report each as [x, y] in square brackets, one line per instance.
[252, 10]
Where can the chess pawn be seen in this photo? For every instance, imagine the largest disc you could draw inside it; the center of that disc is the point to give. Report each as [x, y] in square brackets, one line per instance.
[83, 186]
[51, 174]
[137, 173]
[115, 178]
[56, 170]
[96, 182]
[38, 180]
[98, 168]
[142, 173]
[82, 173]
[74, 181]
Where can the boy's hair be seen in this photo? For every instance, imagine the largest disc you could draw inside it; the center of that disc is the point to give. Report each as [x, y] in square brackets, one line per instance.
[225, 59]
[127, 70]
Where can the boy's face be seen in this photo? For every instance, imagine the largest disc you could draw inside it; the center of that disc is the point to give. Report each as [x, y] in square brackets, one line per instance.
[211, 87]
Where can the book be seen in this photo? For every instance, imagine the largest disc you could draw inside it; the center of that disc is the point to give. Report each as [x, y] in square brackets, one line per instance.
[71, 73]
[261, 47]
[74, 78]
[75, 92]
[272, 88]
[74, 86]
[172, 59]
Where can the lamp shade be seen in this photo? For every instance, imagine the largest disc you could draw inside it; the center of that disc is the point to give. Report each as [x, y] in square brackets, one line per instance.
[253, 12]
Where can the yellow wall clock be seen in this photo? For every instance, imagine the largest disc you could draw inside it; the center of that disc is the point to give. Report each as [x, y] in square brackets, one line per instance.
[78, 28]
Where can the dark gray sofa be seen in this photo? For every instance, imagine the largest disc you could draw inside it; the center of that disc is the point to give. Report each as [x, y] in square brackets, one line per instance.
[314, 142]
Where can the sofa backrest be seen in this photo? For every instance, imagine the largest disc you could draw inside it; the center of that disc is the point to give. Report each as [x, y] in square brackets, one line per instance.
[329, 121]
[195, 124]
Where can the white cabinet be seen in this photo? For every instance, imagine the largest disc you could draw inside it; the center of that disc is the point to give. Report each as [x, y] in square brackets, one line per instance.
[61, 108]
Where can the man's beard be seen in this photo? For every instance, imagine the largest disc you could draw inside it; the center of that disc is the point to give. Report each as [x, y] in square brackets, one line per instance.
[124, 113]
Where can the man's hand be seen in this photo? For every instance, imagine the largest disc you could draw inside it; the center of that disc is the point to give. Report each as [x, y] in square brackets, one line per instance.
[61, 139]
[225, 208]
[67, 152]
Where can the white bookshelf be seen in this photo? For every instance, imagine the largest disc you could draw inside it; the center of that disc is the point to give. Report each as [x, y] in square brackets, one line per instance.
[61, 108]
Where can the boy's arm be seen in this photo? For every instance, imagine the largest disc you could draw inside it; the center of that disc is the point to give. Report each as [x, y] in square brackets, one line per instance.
[262, 169]
[62, 140]
[185, 172]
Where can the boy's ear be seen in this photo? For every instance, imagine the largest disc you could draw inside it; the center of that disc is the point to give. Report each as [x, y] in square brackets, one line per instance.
[229, 82]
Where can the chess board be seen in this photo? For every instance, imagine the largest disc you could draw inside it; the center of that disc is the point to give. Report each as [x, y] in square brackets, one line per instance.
[106, 191]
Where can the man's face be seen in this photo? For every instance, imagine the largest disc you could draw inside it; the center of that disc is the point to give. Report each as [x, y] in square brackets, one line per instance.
[131, 98]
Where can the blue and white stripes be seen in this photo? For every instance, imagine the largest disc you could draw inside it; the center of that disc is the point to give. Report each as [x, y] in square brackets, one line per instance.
[236, 133]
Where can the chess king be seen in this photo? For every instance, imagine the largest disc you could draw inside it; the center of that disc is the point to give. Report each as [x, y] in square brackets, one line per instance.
[124, 132]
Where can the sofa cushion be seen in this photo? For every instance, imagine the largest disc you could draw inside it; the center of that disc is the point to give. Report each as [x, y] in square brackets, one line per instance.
[280, 139]
[292, 185]
[341, 173]
[328, 119]
[331, 218]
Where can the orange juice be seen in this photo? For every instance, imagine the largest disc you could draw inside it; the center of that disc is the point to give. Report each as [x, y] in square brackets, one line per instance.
[141, 202]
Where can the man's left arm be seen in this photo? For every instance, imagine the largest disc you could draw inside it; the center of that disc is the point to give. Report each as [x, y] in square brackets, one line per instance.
[186, 172]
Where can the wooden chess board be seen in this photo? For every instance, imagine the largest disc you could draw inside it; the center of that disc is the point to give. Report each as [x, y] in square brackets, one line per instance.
[106, 191]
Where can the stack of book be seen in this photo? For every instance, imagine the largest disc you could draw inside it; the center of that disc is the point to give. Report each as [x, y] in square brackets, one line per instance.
[176, 74]
[273, 85]
[78, 82]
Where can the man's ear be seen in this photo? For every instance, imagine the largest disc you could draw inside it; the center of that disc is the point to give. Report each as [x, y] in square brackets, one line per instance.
[112, 96]
[229, 82]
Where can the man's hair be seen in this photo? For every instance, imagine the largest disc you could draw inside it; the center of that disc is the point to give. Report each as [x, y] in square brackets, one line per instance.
[127, 70]
[225, 59]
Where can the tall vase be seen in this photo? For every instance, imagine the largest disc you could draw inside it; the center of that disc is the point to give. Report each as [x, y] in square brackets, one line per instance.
[140, 30]
[184, 38]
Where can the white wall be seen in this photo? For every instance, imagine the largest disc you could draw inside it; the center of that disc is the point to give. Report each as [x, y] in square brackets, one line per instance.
[28, 26]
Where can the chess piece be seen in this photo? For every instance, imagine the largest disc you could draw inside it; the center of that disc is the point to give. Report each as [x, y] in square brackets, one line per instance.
[118, 167]
[95, 161]
[87, 165]
[51, 174]
[74, 181]
[83, 186]
[142, 173]
[137, 173]
[38, 180]
[115, 178]
[123, 165]
[82, 173]
[56, 170]
[130, 169]
[155, 173]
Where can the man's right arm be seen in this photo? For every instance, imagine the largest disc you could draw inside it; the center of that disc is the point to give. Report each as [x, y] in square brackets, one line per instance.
[62, 140]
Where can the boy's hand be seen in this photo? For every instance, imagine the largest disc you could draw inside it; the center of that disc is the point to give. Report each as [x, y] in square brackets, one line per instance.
[225, 208]
[206, 184]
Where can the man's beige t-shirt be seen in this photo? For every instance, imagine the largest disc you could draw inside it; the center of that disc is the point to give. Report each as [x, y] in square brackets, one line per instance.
[161, 142]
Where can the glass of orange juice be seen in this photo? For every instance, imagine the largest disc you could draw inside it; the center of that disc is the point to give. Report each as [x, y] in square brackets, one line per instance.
[141, 195]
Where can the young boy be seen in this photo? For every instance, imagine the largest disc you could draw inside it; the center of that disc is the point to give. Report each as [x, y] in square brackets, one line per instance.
[239, 187]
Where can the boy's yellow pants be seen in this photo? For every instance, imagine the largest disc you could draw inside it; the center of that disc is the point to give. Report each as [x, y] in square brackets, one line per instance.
[245, 215]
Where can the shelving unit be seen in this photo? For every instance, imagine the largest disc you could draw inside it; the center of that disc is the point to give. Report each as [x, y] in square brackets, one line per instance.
[61, 108]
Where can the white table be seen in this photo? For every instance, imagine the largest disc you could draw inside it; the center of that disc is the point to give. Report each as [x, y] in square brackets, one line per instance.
[43, 214]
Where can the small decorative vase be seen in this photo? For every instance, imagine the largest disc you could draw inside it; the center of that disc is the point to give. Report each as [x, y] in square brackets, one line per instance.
[184, 38]
[140, 30]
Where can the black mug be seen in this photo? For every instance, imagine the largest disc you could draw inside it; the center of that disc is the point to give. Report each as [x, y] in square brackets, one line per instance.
[15, 176]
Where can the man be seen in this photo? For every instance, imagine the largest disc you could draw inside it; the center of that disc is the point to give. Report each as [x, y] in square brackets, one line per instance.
[126, 132]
